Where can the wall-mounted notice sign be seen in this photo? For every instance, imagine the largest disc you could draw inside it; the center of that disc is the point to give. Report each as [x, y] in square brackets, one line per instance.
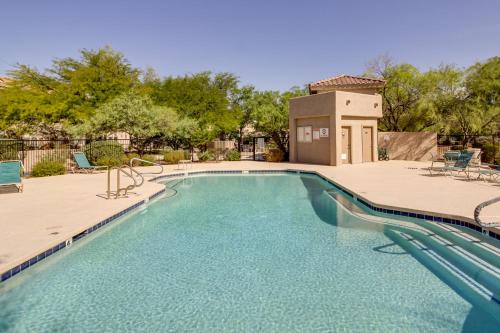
[304, 134]
[323, 132]
[316, 134]
[307, 134]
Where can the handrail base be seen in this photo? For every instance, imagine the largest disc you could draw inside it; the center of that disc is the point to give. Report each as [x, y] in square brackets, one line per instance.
[477, 212]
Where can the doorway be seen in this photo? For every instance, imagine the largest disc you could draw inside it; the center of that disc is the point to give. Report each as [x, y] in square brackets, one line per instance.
[346, 145]
[367, 144]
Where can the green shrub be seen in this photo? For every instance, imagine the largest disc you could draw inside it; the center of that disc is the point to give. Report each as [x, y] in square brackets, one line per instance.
[206, 156]
[274, 155]
[382, 154]
[174, 156]
[149, 158]
[488, 152]
[9, 150]
[130, 156]
[48, 168]
[107, 152]
[233, 155]
[60, 153]
[111, 161]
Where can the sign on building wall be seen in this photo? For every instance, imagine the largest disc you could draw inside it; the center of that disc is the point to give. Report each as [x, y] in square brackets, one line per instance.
[308, 134]
[304, 134]
[324, 132]
[316, 134]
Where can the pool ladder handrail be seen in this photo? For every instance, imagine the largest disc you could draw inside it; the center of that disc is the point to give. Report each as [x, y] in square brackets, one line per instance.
[477, 212]
[130, 174]
[149, 162]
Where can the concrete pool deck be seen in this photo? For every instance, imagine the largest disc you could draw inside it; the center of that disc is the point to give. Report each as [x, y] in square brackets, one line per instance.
[53, 209]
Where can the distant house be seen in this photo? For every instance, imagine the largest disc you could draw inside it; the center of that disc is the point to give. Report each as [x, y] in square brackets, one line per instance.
[337, 123]
[4, 81]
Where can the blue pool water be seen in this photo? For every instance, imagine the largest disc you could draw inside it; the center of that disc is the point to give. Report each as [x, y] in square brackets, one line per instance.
[239, 253]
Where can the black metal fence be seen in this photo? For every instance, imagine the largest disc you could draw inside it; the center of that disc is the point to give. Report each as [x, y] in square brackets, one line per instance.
[254, 148]
[33, 151]
[489, 145]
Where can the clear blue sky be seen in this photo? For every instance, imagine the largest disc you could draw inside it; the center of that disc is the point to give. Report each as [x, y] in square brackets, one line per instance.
[271, 44]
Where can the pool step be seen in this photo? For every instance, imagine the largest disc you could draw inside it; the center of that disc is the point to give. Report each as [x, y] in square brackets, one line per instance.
[481, 271]
[464, 284]
[470, 243]
[467, 240]
[448, 265]
[476, 260]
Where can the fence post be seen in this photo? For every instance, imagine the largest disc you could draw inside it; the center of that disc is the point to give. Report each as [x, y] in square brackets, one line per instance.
[494, 148]
[254, 148]
[90, 149]
[22, 150]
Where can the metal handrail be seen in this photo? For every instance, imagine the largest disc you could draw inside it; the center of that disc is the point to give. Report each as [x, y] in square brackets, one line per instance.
[130, 172]
[121, 169]
[144, 161]
[477, 212]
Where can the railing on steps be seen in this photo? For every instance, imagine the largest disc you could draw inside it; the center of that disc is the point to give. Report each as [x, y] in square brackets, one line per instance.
[129, 171]
[477, 213]
[123, 190]
[148, 162]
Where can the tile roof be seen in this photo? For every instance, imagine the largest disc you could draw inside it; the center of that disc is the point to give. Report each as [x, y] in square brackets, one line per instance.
[347, 81]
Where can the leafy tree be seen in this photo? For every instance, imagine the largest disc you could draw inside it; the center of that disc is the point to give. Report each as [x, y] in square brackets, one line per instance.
[133, 114]
[151, 82]
[67, 93]
[27, 102]
[467, 101]
[404, 107]
[448, 96]
[182, 135]
[242, 103]
[271, 111]
[483, 85]
[203, 97]
[93, 80]
[447, 100]
[100, 92]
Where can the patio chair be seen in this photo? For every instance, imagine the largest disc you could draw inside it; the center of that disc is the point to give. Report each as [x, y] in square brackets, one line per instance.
[83, 164]
[10, 174]
[476, 156]
[463, 164]
[492, 174]
[449, 159]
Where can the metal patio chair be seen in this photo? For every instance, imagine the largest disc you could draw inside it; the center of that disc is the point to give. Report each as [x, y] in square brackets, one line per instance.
[83, 164]
[10, 174]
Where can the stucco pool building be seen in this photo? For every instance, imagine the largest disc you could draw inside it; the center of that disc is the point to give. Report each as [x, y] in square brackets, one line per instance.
[337, 122]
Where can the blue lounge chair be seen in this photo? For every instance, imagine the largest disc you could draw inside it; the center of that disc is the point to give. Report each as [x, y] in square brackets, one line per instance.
[490, 173]
[10, 174]
[83, 164]
[462, 164]
[449, 159]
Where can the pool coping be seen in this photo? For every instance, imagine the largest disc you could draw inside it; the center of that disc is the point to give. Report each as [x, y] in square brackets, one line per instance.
[396, 211]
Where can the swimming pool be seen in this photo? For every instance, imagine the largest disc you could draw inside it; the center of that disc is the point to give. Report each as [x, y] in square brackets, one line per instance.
[250, 253]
